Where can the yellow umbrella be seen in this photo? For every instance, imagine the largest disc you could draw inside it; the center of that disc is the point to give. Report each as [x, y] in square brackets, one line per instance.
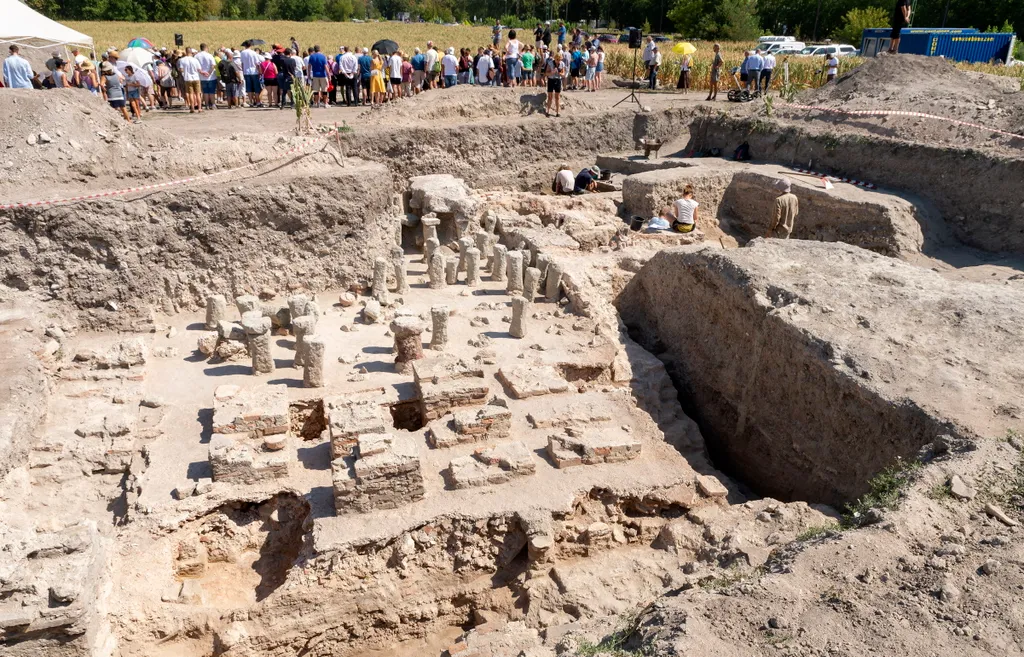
[684, 48]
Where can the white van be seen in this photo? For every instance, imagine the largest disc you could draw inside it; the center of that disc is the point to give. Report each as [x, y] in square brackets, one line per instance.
[839, 50]
[775, 39]
[786, 47]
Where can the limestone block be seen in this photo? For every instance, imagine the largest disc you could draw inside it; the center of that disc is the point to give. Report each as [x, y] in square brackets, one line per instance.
[491, 466]
[257, 411]
[346, 422]
[384, 473]
[234, 461]
[591, 447]
[525, 381]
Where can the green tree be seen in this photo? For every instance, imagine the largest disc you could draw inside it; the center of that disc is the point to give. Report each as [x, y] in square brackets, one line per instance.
[727, 20]
[857, 20]
[339, 10]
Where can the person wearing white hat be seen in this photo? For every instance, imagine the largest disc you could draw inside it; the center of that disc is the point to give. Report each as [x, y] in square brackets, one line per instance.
[450, 68]
[787, 207]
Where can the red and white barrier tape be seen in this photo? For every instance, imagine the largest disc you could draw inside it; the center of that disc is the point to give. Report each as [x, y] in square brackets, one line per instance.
[920, 115]
[169, 183]
[848, 181]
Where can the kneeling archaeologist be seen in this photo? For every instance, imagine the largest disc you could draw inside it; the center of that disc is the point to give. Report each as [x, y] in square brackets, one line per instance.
[787, 207]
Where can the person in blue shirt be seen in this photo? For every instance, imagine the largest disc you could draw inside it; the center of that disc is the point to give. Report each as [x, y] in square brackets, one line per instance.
[318, 76]
[419, 71]
[577, 64]
[365, 65]
[561, 32]
[17, 71]
[586, 180]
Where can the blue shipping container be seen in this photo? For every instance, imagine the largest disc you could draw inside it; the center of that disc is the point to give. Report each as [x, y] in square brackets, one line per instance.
[958, 44]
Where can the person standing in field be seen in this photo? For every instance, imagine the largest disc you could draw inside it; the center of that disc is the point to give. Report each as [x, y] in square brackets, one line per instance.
[395, 74]
[653, 65]
[787, 207]
[17, 71]
[555, 70]
[484, 64]
[431, 60]
[349, 68]
[513, 51]
[365, 68]
[832, 66]
[229, 75]
[600, 67]
[207, 77]
[318, 73]
[538, 36]
[465, 66]
[684, 73]
[900, 20]
[377, 86]
[406, 76]
[767, 71]
[188, 66]
[591, 75]
[285, 66]
[716, 73]
[527, 62]
[112, 88]
[251, 72]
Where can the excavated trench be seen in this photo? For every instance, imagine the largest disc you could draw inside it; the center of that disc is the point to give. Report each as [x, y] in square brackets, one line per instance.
[783, 408]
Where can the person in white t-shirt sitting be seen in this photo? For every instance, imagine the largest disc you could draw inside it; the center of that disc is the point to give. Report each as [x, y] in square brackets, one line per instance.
[684, 212]
[565, 181]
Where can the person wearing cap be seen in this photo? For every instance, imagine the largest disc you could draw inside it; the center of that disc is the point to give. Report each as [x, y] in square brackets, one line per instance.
[586, 180]
[230, 75]
[188, 66]
[652, 67]
[112, 88]
[17, 70]
[787, 207]
[365, 67]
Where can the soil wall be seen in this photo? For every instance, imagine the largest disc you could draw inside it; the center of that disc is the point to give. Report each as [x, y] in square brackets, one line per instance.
[803, 379]
[977, 193]
[314, 227]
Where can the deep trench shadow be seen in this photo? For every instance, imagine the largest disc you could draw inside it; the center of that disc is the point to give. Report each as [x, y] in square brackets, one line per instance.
[283, 543]
[227, 370]
[198, 470]
[375, 366]
[316, 457]
[321, 502]
[205, 419]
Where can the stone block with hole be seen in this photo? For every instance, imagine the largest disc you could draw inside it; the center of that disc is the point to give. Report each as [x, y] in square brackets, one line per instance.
[257, 411]
[382, 473]
[592, 446]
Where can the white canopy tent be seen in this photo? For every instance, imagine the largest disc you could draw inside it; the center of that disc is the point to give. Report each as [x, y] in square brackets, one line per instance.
[32, 31]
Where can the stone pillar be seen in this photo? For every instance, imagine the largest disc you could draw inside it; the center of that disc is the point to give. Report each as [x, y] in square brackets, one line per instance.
[408, 341]
[380, 281]
[531, 283]
[303, 327]
[246, 304]
[483, 243]
[515, 272]
[216, 311]
[431, 245]
[520, 308]
[313, 361]
[554, 281]
[298, 306]
[430, 223]
[498, 262]
[439, 336]
[465, 244]
[490, 221]
[543, 260]
[257, 328]
[435, 270]
[398, 231]
[451, 271]
[473, 266]
[398, 260]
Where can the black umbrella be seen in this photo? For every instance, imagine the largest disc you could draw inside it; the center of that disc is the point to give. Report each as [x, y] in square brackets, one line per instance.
[385, 47]
[257, 42]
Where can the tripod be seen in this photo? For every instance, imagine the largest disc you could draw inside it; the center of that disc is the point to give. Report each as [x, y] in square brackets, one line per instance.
[632, 90]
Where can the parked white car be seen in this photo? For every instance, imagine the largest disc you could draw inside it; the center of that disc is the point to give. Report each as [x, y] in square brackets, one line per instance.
[765, 40]
[840, 50]
[786, 47]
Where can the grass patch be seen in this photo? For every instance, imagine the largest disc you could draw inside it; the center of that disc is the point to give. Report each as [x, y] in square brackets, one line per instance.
[615, 644]
[940, 491]
[814, 532]
[886, 490]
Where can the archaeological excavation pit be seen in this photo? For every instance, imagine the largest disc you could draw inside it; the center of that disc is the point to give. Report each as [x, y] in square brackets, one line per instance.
[446, 413]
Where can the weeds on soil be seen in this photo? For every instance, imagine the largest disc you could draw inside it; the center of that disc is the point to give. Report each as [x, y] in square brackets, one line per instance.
[615, 643]
[886, 490]
[812, 533]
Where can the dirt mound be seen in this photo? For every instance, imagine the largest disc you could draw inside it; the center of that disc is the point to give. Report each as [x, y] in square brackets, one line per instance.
[931, 85]
[60, 135]
[474, 102]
